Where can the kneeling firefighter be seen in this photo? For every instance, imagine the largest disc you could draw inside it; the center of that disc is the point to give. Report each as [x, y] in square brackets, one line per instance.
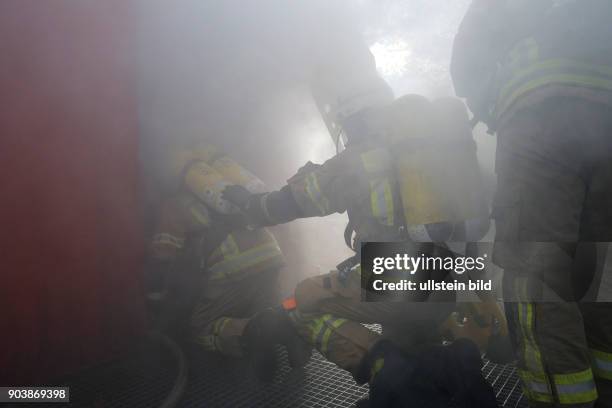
[205, 263]
[377, 180]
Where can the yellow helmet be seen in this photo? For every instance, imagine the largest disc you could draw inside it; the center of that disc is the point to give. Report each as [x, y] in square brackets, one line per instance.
[178, 159]
[206, 171]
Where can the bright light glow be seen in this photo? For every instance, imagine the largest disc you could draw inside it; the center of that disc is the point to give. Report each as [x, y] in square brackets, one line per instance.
[391, 57]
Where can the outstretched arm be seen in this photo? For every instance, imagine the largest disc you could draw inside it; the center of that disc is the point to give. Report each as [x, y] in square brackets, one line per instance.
[313, 192]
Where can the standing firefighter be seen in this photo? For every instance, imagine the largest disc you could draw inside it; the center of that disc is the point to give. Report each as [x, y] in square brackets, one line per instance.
[363, 180]
[215, 269]
[540, 73]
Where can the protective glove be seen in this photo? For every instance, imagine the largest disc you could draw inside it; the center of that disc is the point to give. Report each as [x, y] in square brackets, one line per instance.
[237, 195]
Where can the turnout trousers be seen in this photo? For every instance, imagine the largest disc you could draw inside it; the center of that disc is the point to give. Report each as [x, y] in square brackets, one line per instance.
[553, 209]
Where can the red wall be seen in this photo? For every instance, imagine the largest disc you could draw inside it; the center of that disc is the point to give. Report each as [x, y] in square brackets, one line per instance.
[70, 238]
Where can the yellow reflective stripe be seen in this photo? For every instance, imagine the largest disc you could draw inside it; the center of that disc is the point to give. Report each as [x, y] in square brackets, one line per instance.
[229, 248]
[379, 363]
[381, 199]
[314, 193]
[208, 342]
[602, 364]
[317, 329]
[244, 260]
[576, 388]
[554, 64]
[535, 382]
[560, 79]
[332, 324]
[167, 239]
[247, 259]
[321, 329]
[220, 325]
[536, 386]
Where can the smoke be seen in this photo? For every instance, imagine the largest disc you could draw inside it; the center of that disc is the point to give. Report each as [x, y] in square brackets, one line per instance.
[235, 73]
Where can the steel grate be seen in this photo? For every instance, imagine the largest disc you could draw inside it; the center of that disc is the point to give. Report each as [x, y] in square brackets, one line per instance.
[144, 378]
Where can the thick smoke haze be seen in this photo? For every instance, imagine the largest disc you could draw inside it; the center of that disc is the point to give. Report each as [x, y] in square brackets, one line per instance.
[235, 73]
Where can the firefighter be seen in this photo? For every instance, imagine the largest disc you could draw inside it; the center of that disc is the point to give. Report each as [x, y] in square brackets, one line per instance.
[328, 310]
[540, 74]
[206, 263]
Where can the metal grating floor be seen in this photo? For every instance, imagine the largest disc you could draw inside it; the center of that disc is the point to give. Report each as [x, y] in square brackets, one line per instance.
[144, 378]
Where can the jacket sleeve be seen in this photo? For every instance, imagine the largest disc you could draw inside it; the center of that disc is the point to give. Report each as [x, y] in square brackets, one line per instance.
[179, 217]
[169, 236]
[317, 190]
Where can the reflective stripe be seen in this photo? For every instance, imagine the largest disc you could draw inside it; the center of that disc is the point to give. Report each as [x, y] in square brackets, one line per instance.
[322, 329]
[602, 364]
[376, 367]
[536, 386]
[573, 388]
[333, 324]
[167, 239]
[576, 388]
[557, 79]
[533, 358]
[244, 260]
[525, 71]
[220, 325]
[382, 201]
[554, 67]
[535, 382]
[229, 248]
[311, 185]
[317, 329]
[208, 342]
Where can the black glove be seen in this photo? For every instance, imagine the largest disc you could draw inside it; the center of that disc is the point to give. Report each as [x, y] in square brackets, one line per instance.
[237, 195]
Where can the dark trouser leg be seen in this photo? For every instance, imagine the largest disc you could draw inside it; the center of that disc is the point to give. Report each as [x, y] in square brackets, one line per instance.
[545, 168]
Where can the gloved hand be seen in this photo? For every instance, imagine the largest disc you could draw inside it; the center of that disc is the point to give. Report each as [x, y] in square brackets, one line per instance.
[237, 195]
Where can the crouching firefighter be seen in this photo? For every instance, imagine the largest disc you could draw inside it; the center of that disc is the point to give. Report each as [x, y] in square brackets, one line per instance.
[208, 271]
[371, 180]
[540, 74]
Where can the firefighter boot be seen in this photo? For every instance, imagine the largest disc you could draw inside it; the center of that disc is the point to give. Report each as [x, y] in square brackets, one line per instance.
[453, 373]
[387, 371]
[259, 342]
[266, 330]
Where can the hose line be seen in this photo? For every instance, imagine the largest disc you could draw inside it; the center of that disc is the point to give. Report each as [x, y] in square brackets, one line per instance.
[180, 382]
